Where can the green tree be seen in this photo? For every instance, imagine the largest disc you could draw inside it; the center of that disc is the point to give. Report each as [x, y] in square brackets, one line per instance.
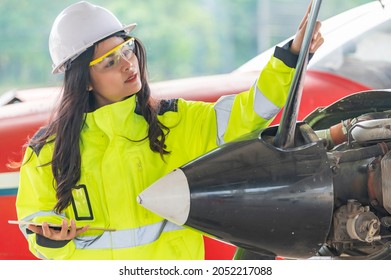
[183, 38]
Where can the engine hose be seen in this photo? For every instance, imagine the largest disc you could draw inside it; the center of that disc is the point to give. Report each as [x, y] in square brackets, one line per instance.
[379, 149]
[372, 130]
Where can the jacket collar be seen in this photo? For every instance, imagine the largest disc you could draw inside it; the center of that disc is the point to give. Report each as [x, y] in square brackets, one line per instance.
[118, 119]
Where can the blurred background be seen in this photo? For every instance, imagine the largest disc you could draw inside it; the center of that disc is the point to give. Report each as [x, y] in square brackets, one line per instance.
[183, 38]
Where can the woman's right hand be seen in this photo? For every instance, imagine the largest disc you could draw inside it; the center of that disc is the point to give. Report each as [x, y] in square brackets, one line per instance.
[67, 232]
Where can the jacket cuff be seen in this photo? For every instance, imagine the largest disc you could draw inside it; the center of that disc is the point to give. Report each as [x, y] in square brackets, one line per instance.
[49, 243]
[285, 55]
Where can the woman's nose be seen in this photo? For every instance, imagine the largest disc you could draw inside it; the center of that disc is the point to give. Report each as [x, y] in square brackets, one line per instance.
[126, 65]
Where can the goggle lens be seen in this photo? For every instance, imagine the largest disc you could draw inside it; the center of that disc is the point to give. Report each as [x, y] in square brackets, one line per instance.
[112, 58]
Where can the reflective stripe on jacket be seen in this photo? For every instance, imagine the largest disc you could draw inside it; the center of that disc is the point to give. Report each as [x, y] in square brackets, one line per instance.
[117, 164]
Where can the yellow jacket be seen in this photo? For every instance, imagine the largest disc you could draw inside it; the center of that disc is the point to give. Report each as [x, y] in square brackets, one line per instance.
[116, 169]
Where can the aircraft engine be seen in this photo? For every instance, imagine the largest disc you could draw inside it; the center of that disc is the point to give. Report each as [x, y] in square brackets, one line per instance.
[328, 196]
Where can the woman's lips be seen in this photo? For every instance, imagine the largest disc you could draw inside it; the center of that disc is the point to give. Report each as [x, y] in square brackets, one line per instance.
[131, 78]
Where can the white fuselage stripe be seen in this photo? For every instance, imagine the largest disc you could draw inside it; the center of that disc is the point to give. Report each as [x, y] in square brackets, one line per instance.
[9, 180]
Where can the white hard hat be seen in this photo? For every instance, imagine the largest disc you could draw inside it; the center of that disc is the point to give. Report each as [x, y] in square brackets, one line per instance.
[77, 28]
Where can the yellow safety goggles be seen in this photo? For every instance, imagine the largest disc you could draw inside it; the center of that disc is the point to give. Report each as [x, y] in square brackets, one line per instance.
[111, 59]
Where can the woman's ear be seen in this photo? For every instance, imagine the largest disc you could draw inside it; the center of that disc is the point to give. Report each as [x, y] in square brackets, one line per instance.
[90, 88]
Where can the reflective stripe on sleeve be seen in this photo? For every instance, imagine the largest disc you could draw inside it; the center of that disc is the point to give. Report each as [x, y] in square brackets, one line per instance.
[37, 214]
[263, 106]
[223, 109]
[126, 238]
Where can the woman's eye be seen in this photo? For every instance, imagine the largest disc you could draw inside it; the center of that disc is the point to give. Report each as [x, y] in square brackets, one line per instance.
[109, 62]
[127, 53]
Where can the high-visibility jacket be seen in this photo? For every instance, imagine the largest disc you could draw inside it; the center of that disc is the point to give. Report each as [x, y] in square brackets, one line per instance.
[116, 166]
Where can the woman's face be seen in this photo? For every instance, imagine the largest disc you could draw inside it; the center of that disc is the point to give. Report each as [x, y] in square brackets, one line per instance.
[115, 79]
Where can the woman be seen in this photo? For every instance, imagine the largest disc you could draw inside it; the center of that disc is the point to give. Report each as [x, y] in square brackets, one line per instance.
[109, 140]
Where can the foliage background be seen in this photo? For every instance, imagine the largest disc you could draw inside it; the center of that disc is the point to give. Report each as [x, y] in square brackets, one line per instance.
[183, 38]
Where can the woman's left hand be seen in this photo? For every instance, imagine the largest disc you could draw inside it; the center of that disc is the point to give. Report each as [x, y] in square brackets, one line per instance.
[317, 38]
[65, 233]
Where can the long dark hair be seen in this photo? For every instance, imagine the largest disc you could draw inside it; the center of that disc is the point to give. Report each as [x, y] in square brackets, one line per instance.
[68, 120]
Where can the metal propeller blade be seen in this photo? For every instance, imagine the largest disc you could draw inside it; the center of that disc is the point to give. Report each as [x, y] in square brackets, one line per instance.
[285, 137]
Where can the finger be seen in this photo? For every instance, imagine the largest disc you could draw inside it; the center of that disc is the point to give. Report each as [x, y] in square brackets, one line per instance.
[298, 40]
[64, 230]
[72, 230]
[317, 39]
[46, 230]
[315, 45]
[81, 230]
[35, 229]
[316, 30]
[303, 21]
[317, 27]
[305, 16]
[303, 26]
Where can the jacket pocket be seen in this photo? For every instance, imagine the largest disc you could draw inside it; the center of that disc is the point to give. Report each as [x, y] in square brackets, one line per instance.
[81, 203]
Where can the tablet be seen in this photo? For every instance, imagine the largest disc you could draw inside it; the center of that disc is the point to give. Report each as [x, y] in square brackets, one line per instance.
[55, 226]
